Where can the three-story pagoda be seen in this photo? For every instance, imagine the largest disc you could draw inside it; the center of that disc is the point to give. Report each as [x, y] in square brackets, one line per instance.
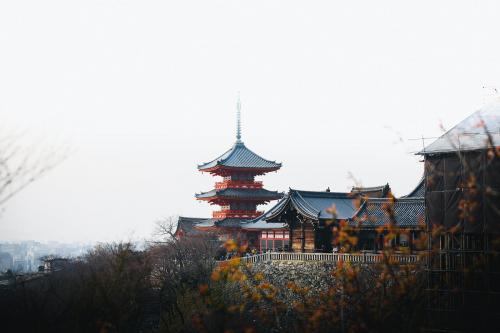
[238, 194]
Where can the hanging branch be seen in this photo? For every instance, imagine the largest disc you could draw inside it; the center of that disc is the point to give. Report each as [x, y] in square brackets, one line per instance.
[20, 165]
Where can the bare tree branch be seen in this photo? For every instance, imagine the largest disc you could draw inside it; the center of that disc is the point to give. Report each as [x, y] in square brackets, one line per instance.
[22, 164]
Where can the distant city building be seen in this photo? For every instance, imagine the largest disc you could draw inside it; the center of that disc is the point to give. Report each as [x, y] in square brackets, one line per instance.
[6, 261]
[55, 264]
[26, 255]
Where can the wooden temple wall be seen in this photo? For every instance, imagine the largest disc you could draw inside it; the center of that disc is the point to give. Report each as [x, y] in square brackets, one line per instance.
[302, 238]
[310, 238]
[296, 239]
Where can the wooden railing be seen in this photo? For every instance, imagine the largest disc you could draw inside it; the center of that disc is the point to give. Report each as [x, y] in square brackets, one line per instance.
[369, 258]
[228, 213]
[238, 184]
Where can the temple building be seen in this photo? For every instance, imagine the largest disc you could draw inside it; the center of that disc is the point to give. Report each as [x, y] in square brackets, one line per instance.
[301, 221]
[375, 215]
[462, 197]
[238, 193]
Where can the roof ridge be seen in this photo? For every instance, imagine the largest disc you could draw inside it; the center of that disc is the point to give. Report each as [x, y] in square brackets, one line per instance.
[232, 152]
[249, 190]
[193, 218]
[420, 183]
[326, 193]
[241, 155]
[219, 157]
[396, 200]
[369, 188]
[314, 209]
[446, 142]
[241, 190]
[285, 200]
[259, 155]
[360, 208]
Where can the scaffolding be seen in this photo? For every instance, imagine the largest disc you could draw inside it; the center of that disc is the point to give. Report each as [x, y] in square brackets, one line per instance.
[463, 226]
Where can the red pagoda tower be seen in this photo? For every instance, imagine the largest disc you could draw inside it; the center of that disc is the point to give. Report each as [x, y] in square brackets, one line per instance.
[238, 194]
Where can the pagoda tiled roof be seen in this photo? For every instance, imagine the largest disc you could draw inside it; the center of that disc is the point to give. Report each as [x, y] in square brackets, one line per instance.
[476, 132]
[241, 193]
[239, 156]
[403, 212]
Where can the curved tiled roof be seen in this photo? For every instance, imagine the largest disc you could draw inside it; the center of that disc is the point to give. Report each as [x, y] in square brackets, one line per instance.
[278, 206]
[241, 193]
[372, 192]
[262, 224]
[473, 133]
[239, 156]
[317, 205]
[261, 221]
[408, 213]
[187, 224]
[418, 191]
[210, 222]
[229, 223]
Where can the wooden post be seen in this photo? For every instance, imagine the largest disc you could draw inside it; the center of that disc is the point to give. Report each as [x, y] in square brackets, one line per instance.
[303, 241]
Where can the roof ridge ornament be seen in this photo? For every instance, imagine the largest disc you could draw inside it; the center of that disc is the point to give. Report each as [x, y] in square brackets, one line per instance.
[238, 120]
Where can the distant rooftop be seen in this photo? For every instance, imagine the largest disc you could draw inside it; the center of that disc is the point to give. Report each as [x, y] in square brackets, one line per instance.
[372, 192]
[318, 205]
[357, 207]
[478, 131]
[190, 225]
[402, 212]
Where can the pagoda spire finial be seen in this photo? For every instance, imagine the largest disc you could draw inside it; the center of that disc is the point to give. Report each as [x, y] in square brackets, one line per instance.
[238, 119]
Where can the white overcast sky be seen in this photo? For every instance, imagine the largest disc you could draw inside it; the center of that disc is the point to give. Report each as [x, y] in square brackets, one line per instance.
[143, 91]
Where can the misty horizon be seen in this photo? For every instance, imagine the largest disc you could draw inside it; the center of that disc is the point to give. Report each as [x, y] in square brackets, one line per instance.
[143, 93]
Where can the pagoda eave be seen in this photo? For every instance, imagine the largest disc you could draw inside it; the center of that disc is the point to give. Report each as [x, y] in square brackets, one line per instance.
[238, 194]
[238, 214]
[217, 200]
[222, 170]
[211, 228]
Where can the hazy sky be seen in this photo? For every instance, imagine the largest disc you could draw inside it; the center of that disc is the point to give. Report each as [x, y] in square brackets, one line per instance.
[143, 91]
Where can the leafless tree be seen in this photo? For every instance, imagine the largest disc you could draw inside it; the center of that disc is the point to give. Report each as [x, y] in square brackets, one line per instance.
[180, 265]
[22, 164]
